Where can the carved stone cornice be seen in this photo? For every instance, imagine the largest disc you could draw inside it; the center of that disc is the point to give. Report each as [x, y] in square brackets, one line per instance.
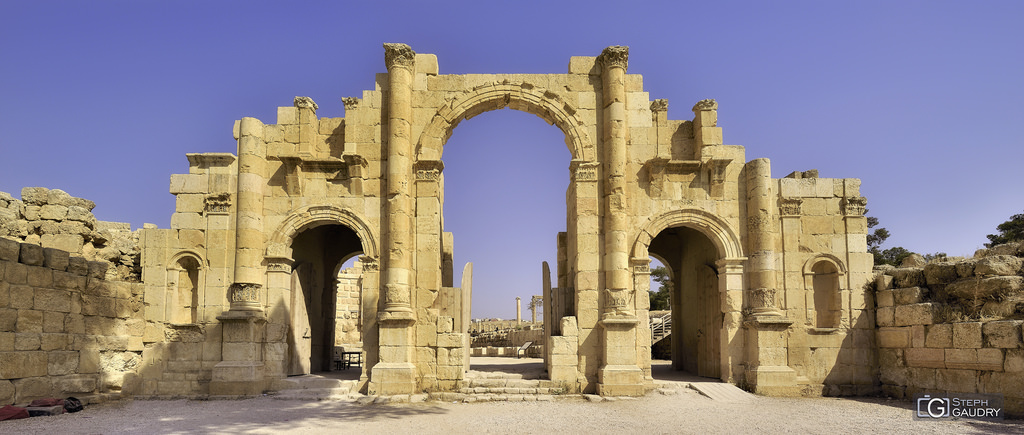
[398, 55]
[350, 102]
[217, 203]
[615, 56]
[854, 206]
[583, 171]
[305, 103]
[659, 105]
[641, 266]
[707, 104]
[429, 170]
[790, 207]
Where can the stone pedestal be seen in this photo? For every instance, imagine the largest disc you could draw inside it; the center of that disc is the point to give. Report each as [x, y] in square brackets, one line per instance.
[767, 369]
[620, 376]
[395, 373]
[240, 373]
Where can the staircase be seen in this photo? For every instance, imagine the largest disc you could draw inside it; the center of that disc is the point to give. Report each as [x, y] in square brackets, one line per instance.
[661, 327]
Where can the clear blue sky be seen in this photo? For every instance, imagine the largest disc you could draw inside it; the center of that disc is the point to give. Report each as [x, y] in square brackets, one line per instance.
[922, 100]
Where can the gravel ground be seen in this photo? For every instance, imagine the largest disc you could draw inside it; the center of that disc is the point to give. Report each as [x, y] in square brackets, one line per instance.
[684, 411]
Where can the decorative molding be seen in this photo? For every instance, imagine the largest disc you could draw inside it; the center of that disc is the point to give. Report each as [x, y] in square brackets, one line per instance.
[716, 170]
[369, 264]
[706, 104]
[641, 266]
[584, 171]
[429, 170]
[398, 55]
[350, 102]
[659, 105]
[305, 103]
[217, 203]
[245, 293]
[615, 56]
[854, 205]
[790, 206]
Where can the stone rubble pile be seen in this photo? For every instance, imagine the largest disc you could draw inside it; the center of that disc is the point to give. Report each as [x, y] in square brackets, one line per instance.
[52, 218]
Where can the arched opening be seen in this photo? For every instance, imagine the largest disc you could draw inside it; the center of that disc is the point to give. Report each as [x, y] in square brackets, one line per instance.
[825, 284]
[185, 300]
[318, 253]
[696, 314]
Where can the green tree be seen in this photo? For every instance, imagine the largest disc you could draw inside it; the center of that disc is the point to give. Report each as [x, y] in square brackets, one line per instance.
[660, 298]
[892, 256]
[1009, 231]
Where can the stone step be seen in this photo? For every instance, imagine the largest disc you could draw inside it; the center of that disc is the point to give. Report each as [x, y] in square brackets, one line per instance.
[722, 392]
[344, 394]
[311, 382]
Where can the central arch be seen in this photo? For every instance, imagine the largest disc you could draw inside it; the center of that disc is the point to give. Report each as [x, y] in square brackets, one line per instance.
[548, 105]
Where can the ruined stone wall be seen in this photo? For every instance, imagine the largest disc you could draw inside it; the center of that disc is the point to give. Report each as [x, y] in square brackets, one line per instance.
[65, 329]
[52, 218]
[954, 327]
[348, 326]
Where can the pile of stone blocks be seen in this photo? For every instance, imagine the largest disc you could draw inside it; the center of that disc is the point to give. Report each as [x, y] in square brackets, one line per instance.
[52, 218]
[64, 329]
[922, 350]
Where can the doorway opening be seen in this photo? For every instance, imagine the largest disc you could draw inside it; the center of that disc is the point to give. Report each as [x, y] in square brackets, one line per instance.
[693, 326]
[318, 253]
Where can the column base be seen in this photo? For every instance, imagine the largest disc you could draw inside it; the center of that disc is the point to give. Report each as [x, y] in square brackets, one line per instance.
[773, 381]
[389, 379]
[238, 378]
[620, 380]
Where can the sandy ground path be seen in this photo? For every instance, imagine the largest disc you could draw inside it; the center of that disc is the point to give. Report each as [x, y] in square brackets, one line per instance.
[683, 412]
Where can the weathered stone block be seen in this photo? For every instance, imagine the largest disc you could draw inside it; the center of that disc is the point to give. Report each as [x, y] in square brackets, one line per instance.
[29, 389]
[940, 273]
[10, 250]
[1014, 360]
[967, 335]
[78, 266]
[960, 381]
[907, 277]
[915, 314]
[998, 265]
[907, 296]
[886, 316]
[55, 259]
[939, 335]
[894, 337]
[31, 255]
[52, 300]
[971, 288]
[990, 359]
[961, 358]
[6, 391]
[925, 357]
[1003, 334]
[62, 363]
[14, 365]
[885, 298]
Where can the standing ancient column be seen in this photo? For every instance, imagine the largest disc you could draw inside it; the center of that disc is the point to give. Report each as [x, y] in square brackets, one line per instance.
[400, 60]
[395, 373]
[248, 281]
[614, 61]
[761, 233]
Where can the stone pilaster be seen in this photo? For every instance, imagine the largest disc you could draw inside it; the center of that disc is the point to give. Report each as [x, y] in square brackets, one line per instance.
[395, 373]
[620, 375]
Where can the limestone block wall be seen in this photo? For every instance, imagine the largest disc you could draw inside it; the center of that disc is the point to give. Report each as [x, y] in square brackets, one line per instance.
[52, 218]
[954, 327]
[823, 285]
[65, 329]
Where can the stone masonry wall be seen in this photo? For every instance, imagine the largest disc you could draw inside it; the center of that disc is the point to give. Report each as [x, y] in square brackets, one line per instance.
[64, 328]
[52, 218]
[954, 327]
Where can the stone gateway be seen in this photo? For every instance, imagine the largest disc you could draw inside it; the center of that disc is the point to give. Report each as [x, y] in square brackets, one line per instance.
[769, 274]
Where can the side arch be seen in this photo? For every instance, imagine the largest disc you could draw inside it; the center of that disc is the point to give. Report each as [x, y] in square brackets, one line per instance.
[548, 105]
[314, 216]
[722, 235]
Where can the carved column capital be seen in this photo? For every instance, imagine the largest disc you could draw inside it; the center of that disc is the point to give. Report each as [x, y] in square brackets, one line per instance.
[615, 56]
[659, 105]
[790, 207]
[707, 104]
[398, 55]
[350, 102]
[305, 103]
